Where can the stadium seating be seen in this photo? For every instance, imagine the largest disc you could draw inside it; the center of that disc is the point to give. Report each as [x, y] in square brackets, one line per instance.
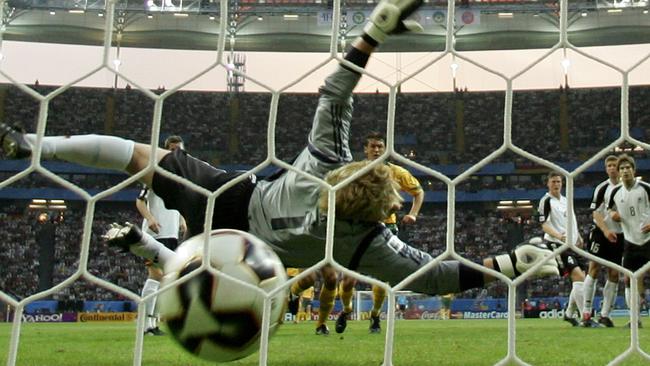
[241, 121]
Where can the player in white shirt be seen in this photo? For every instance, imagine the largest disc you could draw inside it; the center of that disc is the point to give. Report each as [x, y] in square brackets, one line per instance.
[630, 203]
[605, 241]
[163, 225]
[553, 216]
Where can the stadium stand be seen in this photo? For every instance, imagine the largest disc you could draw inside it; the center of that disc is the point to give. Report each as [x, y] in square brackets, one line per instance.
[230, 131]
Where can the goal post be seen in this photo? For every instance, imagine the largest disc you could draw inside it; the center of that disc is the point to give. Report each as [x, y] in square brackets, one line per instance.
[408, 305]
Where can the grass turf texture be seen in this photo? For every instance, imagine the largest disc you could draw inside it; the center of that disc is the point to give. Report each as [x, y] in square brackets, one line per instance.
[452, 342]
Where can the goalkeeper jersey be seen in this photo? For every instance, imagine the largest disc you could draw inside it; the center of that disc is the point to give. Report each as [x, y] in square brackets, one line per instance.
[284, 212]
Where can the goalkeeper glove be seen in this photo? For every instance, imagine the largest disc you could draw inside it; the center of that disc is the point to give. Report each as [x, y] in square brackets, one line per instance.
[524, 257]
[389, 18]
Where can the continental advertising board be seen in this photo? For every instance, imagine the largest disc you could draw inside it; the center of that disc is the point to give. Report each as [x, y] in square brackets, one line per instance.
[106, 317]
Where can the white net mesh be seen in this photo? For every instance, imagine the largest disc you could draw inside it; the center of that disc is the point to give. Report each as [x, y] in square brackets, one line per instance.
[450, 252]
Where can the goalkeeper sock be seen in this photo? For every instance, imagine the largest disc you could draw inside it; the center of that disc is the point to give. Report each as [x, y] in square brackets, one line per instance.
[97, 151]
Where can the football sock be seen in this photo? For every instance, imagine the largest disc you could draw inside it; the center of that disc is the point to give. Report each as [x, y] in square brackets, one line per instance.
[578, 295]
[152, 249]
[571, 305]
[298, 287]
[593, 292]
[609, 296]
[378, 297]
[575, 299]
[97, 151]
[346, 297]
[589, 294]
[628, 299]
[150, 286]
[326, 299]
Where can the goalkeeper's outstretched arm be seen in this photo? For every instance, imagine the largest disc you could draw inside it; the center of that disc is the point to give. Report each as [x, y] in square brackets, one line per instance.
[389, 259]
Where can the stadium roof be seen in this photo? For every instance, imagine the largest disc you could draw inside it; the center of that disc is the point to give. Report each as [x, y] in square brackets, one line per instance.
[305, 25]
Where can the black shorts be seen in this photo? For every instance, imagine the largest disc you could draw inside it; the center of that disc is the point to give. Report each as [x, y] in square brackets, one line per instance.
[170, 243]
[230, 208]
[636, 256]
[568, 259]
[601, 247]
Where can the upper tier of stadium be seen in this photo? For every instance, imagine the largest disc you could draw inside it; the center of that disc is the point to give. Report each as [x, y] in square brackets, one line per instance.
[305, 25]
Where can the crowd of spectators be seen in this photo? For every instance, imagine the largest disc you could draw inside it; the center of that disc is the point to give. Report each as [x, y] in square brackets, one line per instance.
[227, 129]
[563, 125]
[84, 181]
[19, 259]
[473, 184]
[478, 232]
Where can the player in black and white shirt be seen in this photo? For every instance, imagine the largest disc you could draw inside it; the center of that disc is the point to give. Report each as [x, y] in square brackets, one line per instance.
[630, 205]
[289, 210]
[165, 226]
[605, 241]
[553, 216]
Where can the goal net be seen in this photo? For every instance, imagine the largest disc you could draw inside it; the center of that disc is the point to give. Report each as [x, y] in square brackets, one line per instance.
[400, 302]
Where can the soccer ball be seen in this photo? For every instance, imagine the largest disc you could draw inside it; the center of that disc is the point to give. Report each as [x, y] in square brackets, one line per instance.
[214, 317]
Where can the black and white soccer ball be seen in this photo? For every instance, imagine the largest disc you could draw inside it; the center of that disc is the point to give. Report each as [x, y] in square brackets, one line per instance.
[212, 316]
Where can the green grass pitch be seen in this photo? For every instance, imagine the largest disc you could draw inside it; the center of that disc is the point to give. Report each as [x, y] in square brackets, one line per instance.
[451, 342]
